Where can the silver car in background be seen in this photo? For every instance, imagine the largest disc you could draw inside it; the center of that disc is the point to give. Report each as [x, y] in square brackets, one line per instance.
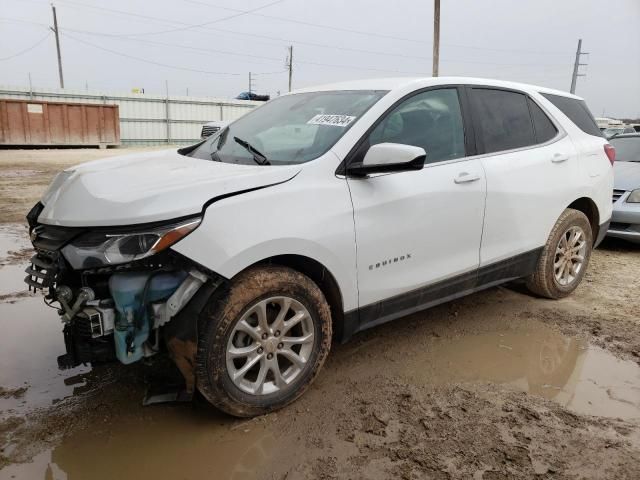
[625, 222]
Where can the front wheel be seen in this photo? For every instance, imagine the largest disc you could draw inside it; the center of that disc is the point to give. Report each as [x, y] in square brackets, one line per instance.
[564, 258]
[263, 344]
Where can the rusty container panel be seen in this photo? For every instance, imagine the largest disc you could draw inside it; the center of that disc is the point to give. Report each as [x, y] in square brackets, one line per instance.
[30, 122]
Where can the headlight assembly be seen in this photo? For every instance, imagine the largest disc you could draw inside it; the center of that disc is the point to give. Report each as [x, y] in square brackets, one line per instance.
[634, 197]
[97, 249]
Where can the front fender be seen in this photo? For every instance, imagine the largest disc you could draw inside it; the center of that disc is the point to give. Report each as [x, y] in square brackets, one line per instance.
[304, 217]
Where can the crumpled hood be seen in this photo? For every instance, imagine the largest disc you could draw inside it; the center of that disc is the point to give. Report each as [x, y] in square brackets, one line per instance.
[626, 175]
[149, 187]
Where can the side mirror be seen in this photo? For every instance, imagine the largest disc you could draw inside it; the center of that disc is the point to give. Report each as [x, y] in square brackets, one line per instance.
[389, 157]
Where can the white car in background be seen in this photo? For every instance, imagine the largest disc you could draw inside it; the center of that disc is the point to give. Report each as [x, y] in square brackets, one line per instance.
[318, 215]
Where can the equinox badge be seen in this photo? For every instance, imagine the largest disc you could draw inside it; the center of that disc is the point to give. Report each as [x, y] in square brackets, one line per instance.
[389, 261]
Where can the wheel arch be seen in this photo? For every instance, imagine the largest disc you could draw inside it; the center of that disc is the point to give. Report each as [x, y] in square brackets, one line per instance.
[587, 206]
[322, 277]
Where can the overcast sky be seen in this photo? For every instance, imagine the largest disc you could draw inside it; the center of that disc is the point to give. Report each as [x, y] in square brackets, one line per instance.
[209, 46]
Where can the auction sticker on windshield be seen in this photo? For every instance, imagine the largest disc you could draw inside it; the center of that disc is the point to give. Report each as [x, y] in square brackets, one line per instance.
[334, 120]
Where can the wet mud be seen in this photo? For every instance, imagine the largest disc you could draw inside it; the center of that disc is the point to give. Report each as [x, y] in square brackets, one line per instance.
[496, 385]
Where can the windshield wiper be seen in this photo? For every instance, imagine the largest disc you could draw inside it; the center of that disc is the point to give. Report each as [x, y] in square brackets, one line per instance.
[258, 156]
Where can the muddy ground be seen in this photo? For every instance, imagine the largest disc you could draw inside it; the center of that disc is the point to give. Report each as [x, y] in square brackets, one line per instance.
[497, 385]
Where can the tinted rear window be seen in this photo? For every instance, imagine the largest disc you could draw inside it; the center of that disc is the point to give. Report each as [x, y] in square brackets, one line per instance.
[502, 119]
[577, 111]
[544, 127]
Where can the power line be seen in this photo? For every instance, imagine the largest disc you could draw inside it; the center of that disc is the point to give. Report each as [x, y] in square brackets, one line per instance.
[262, 57]
[178, 46]
[229, 17]
[282, 40]
[186, 47]
[26, 50]
[305, 62]
[274, 17]
[151, 62]
[360, 32]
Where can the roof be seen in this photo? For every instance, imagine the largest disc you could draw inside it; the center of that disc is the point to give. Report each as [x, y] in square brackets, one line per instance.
[395, 83]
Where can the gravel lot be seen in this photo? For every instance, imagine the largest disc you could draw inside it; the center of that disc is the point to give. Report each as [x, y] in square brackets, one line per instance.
[497, 385]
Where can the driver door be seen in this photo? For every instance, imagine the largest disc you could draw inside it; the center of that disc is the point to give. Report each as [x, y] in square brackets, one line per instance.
[418, 232]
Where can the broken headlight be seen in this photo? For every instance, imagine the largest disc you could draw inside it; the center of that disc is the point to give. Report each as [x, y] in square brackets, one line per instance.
[100, 248]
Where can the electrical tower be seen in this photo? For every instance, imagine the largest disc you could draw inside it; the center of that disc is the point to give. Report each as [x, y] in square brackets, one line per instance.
[576, 67]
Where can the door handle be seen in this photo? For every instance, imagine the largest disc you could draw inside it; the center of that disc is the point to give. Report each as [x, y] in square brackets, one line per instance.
[559, 158]
[465, 177]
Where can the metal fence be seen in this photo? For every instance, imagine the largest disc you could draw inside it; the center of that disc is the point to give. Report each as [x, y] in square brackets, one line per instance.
[147, 119]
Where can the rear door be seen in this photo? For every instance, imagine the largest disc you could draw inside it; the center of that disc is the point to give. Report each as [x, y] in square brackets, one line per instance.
[530, 164]
[418, 232]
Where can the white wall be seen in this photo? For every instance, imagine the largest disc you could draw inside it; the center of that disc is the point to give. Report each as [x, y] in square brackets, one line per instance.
[143, 117]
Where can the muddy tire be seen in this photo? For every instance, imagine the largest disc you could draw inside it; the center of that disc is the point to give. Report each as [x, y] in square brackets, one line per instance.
[263, 342]
[565, 257]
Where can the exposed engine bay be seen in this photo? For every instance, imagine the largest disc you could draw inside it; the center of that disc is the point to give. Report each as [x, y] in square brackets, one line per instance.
[133, 309]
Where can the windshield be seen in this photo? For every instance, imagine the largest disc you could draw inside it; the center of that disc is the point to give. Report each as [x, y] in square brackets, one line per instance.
[627, 148]
[290, 129]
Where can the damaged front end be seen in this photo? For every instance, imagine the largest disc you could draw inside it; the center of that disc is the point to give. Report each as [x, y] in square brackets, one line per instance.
[121, 293]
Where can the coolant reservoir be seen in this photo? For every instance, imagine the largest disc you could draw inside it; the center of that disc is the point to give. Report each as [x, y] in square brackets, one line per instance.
[132, 322]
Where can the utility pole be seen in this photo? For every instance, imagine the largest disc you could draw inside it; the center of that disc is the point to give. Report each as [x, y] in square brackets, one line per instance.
[250, 84]
[576, 67]
[290, 65]
[55, 30]
[436, 36]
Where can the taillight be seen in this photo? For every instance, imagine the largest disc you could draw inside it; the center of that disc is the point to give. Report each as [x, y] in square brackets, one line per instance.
[611, 152]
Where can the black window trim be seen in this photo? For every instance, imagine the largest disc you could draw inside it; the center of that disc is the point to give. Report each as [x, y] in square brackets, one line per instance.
[473, 144]
[561, 133]
[533, 122]
[467, 123]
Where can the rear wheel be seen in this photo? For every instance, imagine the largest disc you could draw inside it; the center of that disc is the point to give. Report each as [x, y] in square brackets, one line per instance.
[262, 345]
[564, 258]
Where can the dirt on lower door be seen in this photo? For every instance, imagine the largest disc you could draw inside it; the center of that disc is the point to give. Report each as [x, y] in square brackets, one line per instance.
[496, 385]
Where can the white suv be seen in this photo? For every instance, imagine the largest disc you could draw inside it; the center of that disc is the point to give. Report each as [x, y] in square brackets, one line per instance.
[318, 215]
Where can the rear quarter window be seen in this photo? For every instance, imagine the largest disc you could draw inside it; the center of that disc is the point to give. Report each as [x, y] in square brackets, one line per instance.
[577, 111]
[545, 130]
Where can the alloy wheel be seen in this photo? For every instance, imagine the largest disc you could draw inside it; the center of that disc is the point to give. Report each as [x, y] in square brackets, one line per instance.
[270, 345]
[570, 256]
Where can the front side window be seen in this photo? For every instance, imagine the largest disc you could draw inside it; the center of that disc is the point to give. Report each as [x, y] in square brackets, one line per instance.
[431, 120]
[502, 119]
[289, 130]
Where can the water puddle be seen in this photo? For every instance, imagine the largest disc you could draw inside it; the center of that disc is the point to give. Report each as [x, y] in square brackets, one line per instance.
[168, 443]
[155, 442]
[13, 236]
[196, 443]
[29, 346]
[15, 251]
[538, 360]
[12, 281]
